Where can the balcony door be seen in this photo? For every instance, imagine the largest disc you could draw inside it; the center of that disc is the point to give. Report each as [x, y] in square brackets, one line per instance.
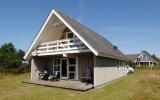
[67, 67]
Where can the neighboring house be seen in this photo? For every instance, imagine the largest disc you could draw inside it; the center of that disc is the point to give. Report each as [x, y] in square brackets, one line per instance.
[144, 58]
[65, 45]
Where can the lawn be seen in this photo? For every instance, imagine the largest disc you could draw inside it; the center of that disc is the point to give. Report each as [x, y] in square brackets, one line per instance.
[142, 85]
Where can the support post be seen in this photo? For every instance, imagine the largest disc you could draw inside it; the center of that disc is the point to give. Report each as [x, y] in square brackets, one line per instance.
[139, 63]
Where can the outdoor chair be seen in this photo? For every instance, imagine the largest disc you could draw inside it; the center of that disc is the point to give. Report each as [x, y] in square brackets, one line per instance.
[54, 76]
[44, 75]
[87, 76]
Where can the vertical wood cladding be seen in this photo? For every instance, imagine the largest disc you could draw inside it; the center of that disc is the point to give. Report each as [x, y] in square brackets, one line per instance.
[84, 60]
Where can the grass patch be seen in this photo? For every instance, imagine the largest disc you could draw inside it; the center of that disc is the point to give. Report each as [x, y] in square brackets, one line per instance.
[156, 67]
[142, 85]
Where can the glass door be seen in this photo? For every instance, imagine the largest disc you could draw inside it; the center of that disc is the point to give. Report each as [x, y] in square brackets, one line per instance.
[64, 69]
[67, 68]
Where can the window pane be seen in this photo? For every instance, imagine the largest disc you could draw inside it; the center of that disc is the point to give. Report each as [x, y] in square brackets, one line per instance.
[72, 68]
[56, 61]
[71, 75]
[72, 61]
[70, 35]
[56, 68]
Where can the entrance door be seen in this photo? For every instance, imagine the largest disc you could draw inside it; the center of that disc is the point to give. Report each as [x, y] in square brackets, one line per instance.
[64, 69]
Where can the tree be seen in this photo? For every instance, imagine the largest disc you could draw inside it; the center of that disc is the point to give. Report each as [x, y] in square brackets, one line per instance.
[20, 54]
[156, 58]
[10, 58]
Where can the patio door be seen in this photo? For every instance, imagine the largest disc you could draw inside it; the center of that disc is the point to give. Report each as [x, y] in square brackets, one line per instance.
[64, 68]
[67, 68]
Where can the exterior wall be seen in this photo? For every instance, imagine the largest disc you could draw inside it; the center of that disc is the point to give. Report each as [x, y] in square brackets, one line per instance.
[36, 67]
[145, 57]
[63, 36]
[106, 70]
[38, 64]
[85, 60]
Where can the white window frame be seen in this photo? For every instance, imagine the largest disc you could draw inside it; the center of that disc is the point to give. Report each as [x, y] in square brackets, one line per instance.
[68, 33]
[57, 65]
[76, 67]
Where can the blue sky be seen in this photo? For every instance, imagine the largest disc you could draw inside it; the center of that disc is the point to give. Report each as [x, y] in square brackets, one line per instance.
[132, 25]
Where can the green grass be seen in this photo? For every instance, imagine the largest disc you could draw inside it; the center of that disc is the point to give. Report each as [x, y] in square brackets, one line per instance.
[142, 85]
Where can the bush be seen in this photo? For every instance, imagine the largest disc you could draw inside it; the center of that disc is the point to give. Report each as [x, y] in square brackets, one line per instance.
[27, 67]
[131, 64]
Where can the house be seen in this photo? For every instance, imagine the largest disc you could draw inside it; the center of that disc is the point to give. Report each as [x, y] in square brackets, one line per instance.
[143, 58]
[65, 45]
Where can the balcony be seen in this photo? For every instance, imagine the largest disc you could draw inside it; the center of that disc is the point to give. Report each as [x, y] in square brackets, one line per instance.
[72, 45]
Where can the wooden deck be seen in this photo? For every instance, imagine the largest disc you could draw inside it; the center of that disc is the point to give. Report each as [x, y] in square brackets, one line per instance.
[66, 84]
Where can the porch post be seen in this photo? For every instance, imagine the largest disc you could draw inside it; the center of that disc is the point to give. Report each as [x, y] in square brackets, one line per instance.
[94, 74]
[149, 63]
[139, 63]
[152, 64]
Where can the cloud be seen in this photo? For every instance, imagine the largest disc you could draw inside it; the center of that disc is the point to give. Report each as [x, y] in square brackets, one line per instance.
[81, 10]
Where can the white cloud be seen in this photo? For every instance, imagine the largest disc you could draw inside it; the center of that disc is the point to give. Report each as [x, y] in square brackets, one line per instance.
[81, 10]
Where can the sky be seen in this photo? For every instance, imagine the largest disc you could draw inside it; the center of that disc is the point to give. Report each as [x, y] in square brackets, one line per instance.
[132, 25]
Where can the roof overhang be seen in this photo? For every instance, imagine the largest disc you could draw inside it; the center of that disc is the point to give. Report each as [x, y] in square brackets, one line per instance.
[35, 41]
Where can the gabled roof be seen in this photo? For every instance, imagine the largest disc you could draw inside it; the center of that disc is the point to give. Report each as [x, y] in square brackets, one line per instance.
[134, 57]
[149, 56]
[96, 43]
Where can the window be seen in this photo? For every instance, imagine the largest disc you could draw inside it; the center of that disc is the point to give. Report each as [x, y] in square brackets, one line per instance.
[142, 56]
[56, 68]
[56, 61]
[72, 68]
[72, 76]
[56, 65]
[70, 35]
[72, 61]
[72, 72]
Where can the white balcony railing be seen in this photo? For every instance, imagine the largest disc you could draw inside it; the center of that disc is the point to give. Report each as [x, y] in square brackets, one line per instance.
[60, 46]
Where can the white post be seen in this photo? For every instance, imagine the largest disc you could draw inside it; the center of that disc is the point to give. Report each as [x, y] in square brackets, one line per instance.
[152, 64]
[149, 63]
[47, 47]
[57, 45]
[151, 70]
[68, 44]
